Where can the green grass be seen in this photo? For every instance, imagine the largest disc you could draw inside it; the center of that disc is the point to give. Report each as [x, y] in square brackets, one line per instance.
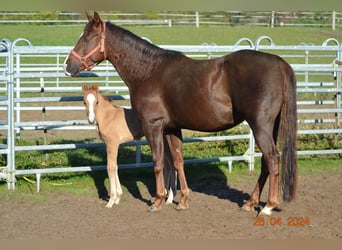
[221, 35]
[133, 180]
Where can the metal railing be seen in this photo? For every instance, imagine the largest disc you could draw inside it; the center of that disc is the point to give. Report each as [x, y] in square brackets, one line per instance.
[28, 74]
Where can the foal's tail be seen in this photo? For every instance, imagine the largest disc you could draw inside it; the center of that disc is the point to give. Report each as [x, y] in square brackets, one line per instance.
[288, 134]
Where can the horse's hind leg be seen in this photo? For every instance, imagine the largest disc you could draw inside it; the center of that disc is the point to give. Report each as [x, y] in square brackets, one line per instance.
[255, 196]
[270, 167]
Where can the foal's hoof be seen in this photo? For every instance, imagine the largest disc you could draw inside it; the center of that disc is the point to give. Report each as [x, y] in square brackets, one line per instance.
[109, 205]
[180, 207]
[154, 209]
[167, 203]
[247, 208]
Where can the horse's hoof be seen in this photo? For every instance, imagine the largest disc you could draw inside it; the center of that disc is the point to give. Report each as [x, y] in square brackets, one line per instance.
[154, 209]
[266, 211]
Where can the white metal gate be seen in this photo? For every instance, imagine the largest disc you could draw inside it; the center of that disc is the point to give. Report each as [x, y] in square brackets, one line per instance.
[28, 73]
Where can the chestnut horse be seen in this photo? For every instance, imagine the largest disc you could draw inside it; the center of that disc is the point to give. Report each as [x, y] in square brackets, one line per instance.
[116, 125]
[170, 91]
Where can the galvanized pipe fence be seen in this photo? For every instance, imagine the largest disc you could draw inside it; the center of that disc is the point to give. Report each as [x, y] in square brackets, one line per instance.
[32, 77]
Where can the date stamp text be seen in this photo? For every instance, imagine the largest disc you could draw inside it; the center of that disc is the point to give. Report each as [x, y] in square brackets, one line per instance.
[279, 221]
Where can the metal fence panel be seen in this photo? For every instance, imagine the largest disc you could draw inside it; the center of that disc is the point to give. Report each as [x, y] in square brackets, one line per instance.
[25, 80]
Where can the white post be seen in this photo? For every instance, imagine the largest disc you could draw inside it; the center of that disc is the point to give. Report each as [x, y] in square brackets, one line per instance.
[251, 150]
[18, 105]
[333, 20]
[10, 120]
[197, 19]
[272, 19]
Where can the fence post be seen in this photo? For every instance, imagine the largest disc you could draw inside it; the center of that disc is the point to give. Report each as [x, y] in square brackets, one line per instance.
[197, 19]
[251, 150]
[333, 24]
[306, 63]
[10, 121]
[10, 113]
[138, 152]
[338, 85]
[272, 18]
[18, 95]
[7, 44]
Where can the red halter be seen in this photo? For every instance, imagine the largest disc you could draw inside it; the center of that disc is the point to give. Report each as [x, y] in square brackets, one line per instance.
[100, 46]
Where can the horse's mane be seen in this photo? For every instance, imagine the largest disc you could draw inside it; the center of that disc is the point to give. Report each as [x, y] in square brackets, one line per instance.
[149, 50]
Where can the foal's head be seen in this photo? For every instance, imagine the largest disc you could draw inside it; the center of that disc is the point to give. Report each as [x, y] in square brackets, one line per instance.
[90, 100]
[90, 48]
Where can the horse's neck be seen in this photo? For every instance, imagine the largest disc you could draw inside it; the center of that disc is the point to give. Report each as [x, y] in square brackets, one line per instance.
[134, 58]
[131, 66]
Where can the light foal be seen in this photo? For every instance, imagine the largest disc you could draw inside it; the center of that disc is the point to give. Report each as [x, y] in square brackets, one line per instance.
[116, 125]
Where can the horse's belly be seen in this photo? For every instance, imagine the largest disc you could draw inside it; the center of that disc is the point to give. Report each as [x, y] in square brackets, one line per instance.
[213, 117]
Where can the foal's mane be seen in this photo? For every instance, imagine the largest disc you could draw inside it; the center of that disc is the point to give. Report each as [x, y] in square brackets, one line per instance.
[106, 98]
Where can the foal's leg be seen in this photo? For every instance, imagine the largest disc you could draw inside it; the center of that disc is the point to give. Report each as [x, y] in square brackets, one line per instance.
[169, 174]
[175, 144]
[270, 166]
[172, 178]
[118, 187]
[112, 170]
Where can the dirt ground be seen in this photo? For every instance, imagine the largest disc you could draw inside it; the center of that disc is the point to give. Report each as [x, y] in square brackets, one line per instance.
[214, 214]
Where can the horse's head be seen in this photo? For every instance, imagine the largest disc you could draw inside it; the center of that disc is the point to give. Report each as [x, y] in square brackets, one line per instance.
[90, 100]
[90, 48]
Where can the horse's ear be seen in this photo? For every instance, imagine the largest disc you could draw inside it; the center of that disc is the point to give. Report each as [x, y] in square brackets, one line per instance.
[97, 18]
[84, 87]
[90, 18]
[95, 87]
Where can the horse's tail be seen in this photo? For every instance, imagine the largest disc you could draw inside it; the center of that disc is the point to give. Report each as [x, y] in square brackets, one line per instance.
[288, 135]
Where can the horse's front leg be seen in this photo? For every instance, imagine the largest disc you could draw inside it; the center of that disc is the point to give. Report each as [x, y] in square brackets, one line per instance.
[175, 144]
[154, 134]
[112, 170]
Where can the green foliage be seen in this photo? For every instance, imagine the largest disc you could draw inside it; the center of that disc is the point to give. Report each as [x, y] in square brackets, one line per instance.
[319, 141]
